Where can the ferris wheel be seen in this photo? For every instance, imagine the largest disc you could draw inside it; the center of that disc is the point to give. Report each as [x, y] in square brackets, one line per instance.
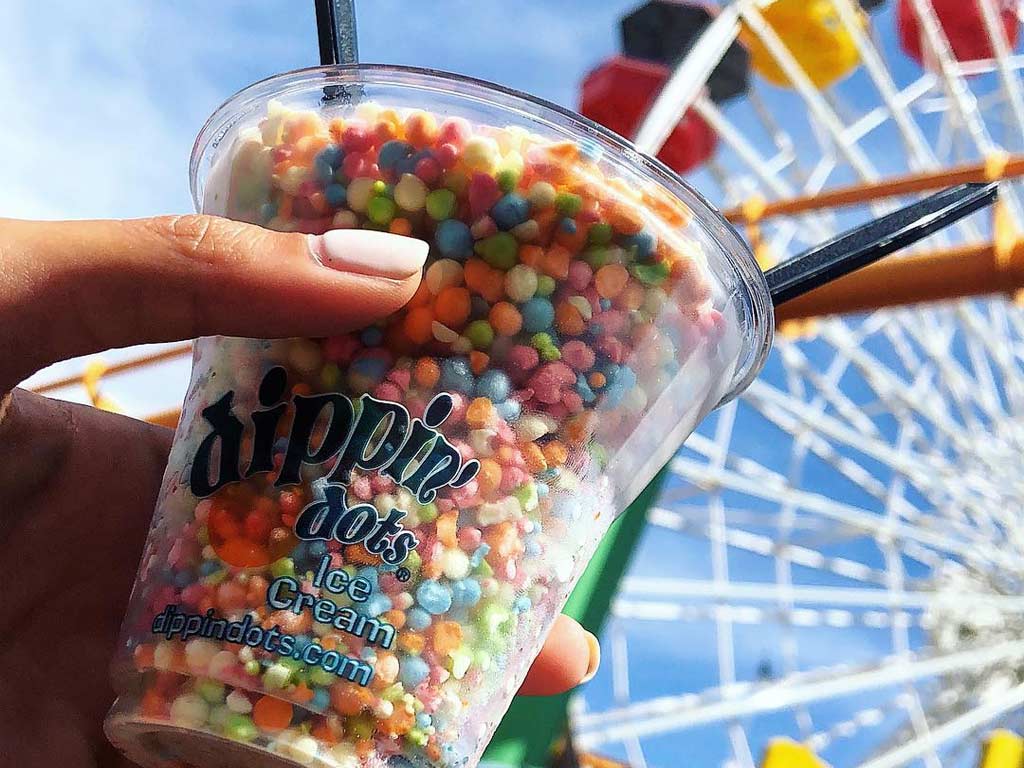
[833, 572]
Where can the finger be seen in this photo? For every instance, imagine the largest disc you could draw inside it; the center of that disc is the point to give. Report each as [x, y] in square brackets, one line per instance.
[69, 288]
[570, 656]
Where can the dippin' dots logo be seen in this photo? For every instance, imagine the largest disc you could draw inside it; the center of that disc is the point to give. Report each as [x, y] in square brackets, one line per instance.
[367, 434]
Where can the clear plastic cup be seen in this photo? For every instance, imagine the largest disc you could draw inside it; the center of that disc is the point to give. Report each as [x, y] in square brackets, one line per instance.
[362, 541]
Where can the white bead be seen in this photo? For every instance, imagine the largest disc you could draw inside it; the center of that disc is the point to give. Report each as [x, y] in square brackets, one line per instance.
[190, 710]
[239, 703]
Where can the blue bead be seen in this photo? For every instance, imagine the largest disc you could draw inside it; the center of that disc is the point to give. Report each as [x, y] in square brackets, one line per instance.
[521, 605]
[208, 568]
[481, 552]
[417, 619]
[336, 195]
[412, 670]
[371, 367]
[465, 593]
[372, 336]
[510, 211]
[538, 314]
[323, 172]
[391, 153]
[606, 304]
[434, 597]
[377, 604]
[408, 164]
[317, 549]
[182, 578]
[321, 699]
[532, 548]
[509, 410]
[583, 389]
[454, 240]
[370, 574]
[268, 211]
[456, 375]
[494, 385]
[568, 226]
[423, 720]
[542, 490]
[624, 377]
[643, 242]
[332, 155]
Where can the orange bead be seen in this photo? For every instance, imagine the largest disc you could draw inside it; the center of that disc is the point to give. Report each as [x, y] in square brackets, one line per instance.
[423, 297]
[547, 219]
[284, 208]
[337, 129]
[349, 699]
[505, 319]
[597, 379]
[532, 256]
[624, 218]
[452, 307]
[432, 569]
[446, 529]
[426, 373]
[478, 361]
[153, 704]
[327, 731]
[447, 637]
[474, 273]
[556, 263]
[421, 129]
[534, 457]
[480, 413]
[272, 714]
[302, 693]
[610, 280]
[399, 722]
[384, 132]
[400, 226]
[143, 656]
[632, 297]
[395, 618]
[411, 642]
[572, 241]
[293, 624]
[489, 476]
[418, 324]
[579, 428]
[568, 319]
[555, 453]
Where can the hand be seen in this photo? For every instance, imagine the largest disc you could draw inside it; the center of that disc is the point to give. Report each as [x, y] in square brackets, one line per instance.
[78, 485]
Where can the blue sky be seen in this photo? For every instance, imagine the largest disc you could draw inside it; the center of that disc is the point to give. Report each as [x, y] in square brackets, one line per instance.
[103, 100]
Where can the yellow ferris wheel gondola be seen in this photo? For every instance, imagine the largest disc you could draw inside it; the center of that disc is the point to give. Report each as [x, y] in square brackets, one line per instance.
[814, 34]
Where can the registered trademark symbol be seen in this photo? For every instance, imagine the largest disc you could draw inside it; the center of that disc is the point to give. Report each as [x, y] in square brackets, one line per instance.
[403, 574]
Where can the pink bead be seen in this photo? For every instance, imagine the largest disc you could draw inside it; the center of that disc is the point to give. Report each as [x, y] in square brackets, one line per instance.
[470, 538]
[279, 154]
[193, 593]
[521, 359]
[340, 349]
[612, 321]
[712, 324]
[360, 486]
[389, 584]
[580, 274]
[612, 348]
[483, 193]
[577, 355]
[454, 131]
[356, 139]
[355, 165]
[459, 406]
[416, 407]
[428, 170]
[307, 189]
[400, 377]
[512, 478]
[381, 483]
[466, 496]
[588, 216]
[387, 391]
[572, 401]
[445, 505]
[483, 227]
[558, 411]
[447, 156]
[464, 449]
[505, 433]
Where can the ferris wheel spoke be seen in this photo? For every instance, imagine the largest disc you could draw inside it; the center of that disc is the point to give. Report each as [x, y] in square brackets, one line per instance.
[981, 715]
[741, 700]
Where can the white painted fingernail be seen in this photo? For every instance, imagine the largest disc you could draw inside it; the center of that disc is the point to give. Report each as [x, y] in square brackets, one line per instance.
[366, 252]
[594, 661]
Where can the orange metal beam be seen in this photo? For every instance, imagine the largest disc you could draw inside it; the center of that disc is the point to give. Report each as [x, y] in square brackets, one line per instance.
[899, 185]
[953, 273]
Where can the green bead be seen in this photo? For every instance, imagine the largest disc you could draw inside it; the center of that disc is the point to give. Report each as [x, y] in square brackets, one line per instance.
[277, 676]
[545, 285]
[283, 567]
[441, 204]
[597, 256]
[379, 187]
[651, 274]
[484, 569]
[211, 690]
[240, 728]
[393, 692]
[320, 676]
[568, 204]
[414, 561]
[252, 667]
[540, 340]
[381, 210]
[599, 234]
[500, 250]
[427, 513]
[492, 619]
[330, 376]
[507, 179]
[361, 726]
[417, 736]
[480, 334]
[550, 353]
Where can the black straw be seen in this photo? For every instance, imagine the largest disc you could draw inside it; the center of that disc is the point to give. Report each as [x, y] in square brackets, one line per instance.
[336, 30]
[870, 242]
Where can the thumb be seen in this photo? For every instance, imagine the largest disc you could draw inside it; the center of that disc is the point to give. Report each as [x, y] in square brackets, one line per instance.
[70, 288]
